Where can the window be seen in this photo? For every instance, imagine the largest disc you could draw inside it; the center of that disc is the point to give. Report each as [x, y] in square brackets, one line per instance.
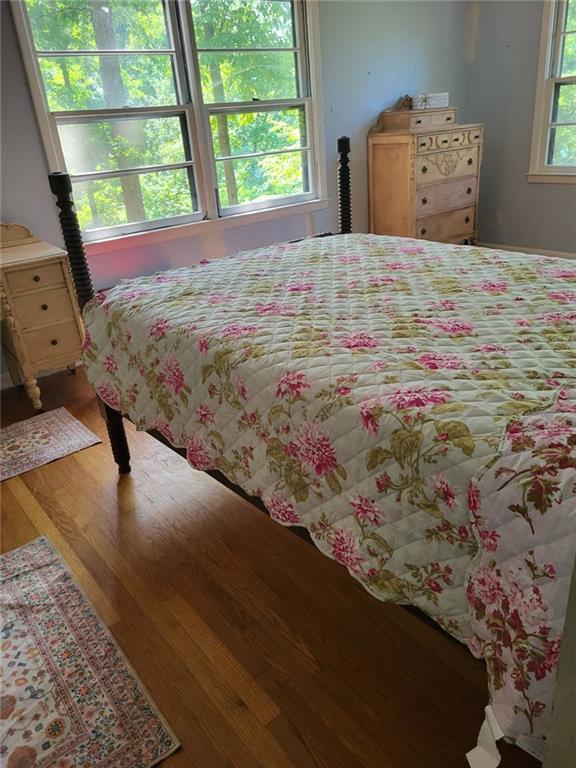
[554, 136]
[174, 111]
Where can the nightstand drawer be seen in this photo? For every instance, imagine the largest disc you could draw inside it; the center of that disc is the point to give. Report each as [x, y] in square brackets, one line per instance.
[449, 224]
[54, 342]
[42, 308]
[42, 276]
[445, 196]
[438, 166]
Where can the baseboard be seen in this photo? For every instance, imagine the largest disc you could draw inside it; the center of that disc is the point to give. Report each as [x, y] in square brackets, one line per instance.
[523, 249]
[5, 381]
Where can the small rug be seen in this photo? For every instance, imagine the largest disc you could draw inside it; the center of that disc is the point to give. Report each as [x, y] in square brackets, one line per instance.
[31, 443]
[69, 697]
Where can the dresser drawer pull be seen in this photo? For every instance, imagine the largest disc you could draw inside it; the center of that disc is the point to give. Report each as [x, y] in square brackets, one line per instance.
[36, 278]
[423, 231]
[424, 200]
[469, 191]
[470, 161]
[424, 169]
[44, 307]
[54, 342]
[467, 219]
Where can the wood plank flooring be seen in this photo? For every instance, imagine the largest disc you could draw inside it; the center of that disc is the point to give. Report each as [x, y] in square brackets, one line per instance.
[259, 651]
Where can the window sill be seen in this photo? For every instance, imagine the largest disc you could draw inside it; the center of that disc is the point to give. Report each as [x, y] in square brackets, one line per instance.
[164, 234]
[551, 178]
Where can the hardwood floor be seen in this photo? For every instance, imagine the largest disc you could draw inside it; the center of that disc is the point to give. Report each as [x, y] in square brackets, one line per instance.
[259, 651]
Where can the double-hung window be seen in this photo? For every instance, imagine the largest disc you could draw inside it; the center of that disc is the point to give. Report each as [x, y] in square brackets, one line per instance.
[553, 155]
[174, 111]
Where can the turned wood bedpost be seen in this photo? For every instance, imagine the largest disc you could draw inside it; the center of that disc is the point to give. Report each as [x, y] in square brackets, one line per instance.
[62, 187]
[344, 197]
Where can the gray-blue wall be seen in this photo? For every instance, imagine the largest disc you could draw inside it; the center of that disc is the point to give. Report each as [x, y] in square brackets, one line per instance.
[374, 52]
[501, 92]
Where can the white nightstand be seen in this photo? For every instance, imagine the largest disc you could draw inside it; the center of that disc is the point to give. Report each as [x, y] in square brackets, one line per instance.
[41, 322]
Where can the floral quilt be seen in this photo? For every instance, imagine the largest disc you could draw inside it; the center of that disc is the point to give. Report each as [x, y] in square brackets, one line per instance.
[373, 390]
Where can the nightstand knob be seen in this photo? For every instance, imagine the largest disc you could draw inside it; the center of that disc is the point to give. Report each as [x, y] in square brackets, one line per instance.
[424, 200]
[54, 342]
[467, 219]
[424, 169]
[36, 278]
[44, 307]
[470, 161]
[469, 191]
[423, 231]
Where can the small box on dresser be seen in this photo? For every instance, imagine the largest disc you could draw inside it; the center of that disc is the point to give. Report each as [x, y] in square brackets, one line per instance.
[423, 170]
[41, 323]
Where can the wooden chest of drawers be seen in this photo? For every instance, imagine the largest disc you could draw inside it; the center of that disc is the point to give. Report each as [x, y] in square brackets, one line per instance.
[41, 323]
[423, 182]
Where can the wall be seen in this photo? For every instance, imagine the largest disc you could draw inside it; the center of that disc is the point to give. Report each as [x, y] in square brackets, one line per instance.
[504, 46]
[374, 52]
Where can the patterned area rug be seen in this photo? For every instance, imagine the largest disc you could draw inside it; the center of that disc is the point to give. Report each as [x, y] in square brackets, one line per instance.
[31, 443]
[69, 698]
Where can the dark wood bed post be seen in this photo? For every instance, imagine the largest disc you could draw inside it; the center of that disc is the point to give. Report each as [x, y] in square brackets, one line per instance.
[61, 187]
[344, 197]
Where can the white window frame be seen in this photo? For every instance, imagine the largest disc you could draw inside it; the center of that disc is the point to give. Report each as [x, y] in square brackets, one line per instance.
[540, 171]
[210, 216]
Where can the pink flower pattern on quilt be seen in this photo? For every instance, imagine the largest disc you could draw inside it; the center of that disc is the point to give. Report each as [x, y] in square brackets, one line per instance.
[362, 385]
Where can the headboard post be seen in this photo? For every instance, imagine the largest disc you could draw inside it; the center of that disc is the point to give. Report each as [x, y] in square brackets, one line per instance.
[344, 198]
[61, 186]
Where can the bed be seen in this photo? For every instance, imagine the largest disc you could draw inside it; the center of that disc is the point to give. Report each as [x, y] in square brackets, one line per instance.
[411, 404]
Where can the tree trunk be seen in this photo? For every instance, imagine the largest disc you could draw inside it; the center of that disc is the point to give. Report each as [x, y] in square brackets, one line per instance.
[304, 155]
[93, 208]
[115, 95]
[222, 127]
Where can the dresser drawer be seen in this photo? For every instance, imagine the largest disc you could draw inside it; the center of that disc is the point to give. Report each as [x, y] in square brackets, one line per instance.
[42, 308]
[447, 195]
[430, 142]
[435, 118]
[42, 276]
[449, 224]
[446, 165]
[57, 341]
[475, 136]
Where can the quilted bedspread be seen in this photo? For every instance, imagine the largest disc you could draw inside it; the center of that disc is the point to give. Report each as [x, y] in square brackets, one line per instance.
[412, 404]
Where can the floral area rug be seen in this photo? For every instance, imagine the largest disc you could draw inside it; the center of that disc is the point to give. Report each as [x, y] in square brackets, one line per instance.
[69, 698]
[31, 443]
